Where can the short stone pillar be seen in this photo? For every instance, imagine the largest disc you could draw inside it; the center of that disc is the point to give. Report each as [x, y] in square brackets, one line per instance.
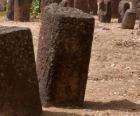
[19, 91]
[123, 7]
[63, 55]
[129, 19]
[93, 6]
[48, 2]
[105, 11]
[82, 5]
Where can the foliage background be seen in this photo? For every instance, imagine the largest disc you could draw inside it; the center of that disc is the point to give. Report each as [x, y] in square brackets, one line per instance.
[35, 10]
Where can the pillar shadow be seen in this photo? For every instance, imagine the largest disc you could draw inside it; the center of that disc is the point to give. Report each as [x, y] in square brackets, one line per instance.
[121, 105]
[49, 113]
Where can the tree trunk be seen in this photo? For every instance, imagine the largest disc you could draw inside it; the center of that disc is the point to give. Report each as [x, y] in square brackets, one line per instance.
[22, 10]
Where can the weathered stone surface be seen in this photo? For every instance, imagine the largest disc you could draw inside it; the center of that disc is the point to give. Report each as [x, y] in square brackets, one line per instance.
[123, 7]
[114, 10]
[129, 19]
[63, 55]
[19, 92]
[105, 11]
[93, 6]
[82, 5]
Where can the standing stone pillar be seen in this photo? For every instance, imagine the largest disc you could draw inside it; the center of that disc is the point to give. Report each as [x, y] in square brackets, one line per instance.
[105, 11]
[129, 19]
[114, 10]
[10, 9]
[123, 7]
[19, 91]
[82, 5]
[93, 6]
[63, 55]
[22, 10]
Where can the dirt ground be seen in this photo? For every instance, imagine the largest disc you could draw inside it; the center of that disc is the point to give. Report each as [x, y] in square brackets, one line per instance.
[113, 87]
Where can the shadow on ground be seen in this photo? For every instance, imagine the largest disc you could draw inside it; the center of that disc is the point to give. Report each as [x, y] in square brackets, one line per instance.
[48, 113]
[122, 105]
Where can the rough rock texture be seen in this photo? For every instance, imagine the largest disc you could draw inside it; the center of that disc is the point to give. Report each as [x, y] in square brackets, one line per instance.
[22, 10]
[82, 5]
[19, 92]
[63, 55]
[114, 5]
[129, 19]
[93, 6]
[105, 11]
[10, 10]
[123, 7]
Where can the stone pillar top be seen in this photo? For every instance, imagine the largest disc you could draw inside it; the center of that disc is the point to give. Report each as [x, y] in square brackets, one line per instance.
[67, 11]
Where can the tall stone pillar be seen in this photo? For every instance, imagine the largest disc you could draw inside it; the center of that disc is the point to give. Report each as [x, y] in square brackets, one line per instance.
[114, 10]
[22, 10]
[63, 55]
[105, 11]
